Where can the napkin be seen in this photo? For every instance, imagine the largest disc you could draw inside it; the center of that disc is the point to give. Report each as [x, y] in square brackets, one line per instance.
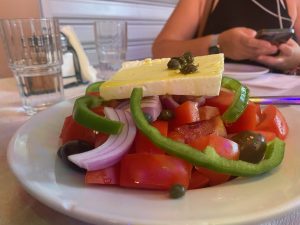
[88, 72]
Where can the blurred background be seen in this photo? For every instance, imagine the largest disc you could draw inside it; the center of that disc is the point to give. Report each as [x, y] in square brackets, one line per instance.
[145, 20]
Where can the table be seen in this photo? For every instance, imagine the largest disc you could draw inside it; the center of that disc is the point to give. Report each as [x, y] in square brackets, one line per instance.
[17, 207]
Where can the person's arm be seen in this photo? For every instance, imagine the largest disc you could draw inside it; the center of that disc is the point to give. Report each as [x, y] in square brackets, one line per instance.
[289, 57]
[178, 34]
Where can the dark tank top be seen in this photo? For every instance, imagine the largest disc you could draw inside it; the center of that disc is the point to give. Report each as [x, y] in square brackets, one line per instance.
[244, 13]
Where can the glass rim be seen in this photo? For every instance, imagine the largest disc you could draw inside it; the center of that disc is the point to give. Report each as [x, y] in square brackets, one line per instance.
[28, 19]
[109, 21]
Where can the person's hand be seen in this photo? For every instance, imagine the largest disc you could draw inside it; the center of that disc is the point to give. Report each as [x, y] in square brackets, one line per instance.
[240, 43]
[288, 58]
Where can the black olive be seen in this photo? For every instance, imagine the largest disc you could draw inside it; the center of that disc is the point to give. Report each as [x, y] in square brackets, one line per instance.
[252, 146]
[190, 68]
[166, 114]
[71, 148]
[177, 191]
[174, 64]
[188, 57]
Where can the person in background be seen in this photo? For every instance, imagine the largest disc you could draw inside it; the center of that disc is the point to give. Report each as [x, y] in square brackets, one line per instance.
[230, 26]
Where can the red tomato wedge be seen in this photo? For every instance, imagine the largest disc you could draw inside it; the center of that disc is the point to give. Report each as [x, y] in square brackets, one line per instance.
[100, 138]
[269, 136]
[273, 121]
[208, 112]
[247, 121]
[153, 171]
[176, 136]
[202, 128]
[108, 175]
[93, 93]
[198, 180]
[74, 131]
[222, 101]
[224, 147]
[186, 113]
[143, 144]
[214, 178]
[99, 110]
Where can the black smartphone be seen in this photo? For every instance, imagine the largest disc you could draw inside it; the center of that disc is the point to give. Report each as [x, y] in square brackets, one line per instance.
[275, 36]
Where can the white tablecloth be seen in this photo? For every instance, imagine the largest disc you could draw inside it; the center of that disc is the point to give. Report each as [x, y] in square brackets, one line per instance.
[17, 207]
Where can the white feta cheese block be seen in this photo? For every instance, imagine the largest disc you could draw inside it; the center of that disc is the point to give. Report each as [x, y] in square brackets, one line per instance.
[156, 79]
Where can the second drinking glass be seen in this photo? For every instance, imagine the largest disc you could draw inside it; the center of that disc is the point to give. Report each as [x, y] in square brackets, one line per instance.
[111, 46]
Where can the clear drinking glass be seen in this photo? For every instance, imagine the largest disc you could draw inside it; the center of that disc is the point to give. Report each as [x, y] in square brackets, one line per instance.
[111, 46]
[34, 54]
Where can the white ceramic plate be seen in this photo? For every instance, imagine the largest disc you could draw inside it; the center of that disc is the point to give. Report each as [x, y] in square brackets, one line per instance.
[32, 158]
[244, 71]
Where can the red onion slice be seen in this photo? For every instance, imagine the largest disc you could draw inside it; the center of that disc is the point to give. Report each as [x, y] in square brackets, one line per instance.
[200, 100]
[168, 102]
[113, 149]
[123, 105]
[113, 153]
[150, 105]
[110, 114]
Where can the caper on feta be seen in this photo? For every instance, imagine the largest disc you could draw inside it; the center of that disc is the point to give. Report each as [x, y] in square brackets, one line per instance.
[188, 57]
[190, 68]
[174, 64]
[183, 63]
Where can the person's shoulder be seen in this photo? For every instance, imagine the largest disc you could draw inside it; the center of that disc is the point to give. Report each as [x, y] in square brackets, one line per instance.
[192, 2]
[293, 3]
[190, 7]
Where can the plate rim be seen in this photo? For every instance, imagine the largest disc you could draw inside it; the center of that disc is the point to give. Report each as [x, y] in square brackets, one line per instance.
[250, 75]
[82, 216]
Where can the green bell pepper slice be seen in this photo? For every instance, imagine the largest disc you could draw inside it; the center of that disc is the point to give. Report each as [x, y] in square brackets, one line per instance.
[93, 87]
[208, 158]
[83, 114]
[240, 101]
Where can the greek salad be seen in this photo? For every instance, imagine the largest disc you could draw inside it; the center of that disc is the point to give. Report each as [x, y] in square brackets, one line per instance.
[172, 142]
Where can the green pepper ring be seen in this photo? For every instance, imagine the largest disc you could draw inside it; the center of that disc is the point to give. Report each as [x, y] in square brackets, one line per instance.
[93, 87]
[241, 97]
[208, 158]
[83, 114]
